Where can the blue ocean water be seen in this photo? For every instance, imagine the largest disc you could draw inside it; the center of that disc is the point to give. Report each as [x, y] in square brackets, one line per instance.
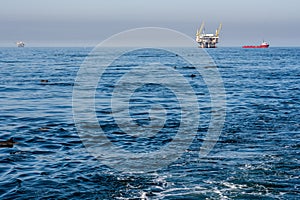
[256, 157]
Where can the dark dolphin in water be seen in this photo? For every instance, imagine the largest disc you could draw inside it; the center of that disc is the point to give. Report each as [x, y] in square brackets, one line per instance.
[8, 143]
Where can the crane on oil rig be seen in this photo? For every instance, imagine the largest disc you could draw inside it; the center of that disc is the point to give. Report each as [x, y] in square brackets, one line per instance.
[207, 40]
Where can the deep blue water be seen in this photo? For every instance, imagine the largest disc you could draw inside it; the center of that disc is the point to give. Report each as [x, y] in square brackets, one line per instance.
[257, 155]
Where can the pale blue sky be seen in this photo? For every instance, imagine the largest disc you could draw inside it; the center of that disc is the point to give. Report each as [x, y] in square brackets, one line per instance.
[88, 22]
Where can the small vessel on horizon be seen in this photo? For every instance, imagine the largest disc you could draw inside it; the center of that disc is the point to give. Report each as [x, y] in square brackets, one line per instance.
[263, 45]
[20, 44]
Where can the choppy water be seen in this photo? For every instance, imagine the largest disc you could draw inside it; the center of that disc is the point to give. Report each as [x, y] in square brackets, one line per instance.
[256, 156]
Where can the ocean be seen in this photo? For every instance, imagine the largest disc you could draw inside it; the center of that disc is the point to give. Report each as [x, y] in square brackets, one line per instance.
[60, 153]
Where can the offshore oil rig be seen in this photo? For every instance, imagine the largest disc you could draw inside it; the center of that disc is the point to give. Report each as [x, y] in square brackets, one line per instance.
[207, 40]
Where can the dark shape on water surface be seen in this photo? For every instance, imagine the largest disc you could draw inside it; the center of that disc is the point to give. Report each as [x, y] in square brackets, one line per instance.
[8, 143]
[47, 82]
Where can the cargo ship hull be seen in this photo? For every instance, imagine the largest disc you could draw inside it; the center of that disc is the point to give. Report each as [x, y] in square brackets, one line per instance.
[262, 46]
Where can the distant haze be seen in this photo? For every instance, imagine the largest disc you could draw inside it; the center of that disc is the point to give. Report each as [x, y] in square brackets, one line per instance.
[88, 22]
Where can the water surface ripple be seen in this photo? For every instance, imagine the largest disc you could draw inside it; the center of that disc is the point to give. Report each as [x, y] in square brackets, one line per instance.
[256, 157]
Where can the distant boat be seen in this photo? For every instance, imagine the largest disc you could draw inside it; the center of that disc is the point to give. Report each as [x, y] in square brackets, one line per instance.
[261, 46]
[20, 44]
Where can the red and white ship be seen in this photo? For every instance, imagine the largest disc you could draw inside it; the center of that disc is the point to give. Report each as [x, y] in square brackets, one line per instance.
[261, 46]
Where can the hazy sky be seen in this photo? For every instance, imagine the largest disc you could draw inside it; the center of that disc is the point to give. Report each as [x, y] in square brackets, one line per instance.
[88, 22]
